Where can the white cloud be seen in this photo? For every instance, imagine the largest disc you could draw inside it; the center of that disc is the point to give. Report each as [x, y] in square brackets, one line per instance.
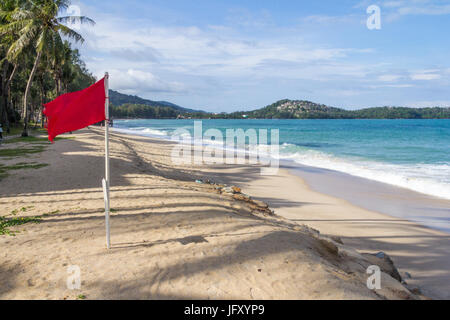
[425, 10]
[134, 81]
[397, 86]
[389, 77]
[426, 75]
[327, 19]
[393, 10]
[429, 104]
[209, 52]
[189, 49]
[400, 85]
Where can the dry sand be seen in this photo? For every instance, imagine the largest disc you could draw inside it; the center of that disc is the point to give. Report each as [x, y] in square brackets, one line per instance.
[421, 252]
[174, 238]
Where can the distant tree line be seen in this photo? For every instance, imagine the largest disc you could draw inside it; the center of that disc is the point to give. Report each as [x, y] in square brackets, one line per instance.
[141, 111]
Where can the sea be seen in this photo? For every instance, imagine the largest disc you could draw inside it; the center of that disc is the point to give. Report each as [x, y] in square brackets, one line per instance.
[412, 154]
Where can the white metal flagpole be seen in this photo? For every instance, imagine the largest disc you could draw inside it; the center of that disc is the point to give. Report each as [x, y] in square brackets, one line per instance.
[106, 181]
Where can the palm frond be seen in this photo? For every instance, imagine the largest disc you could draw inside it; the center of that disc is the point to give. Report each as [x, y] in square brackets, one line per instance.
[4, 15]
[76, 19]
[44, 40]
[69, 33]
[27, 36]
[57, 48]
[21, 14]
[14, 27]
[62, 4]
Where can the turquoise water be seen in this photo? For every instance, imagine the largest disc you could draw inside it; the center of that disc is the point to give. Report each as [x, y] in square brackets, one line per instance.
[413, 154]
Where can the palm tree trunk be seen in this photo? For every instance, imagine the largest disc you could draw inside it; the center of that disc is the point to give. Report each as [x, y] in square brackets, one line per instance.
[43, 95]
[27, 93]
[4, 116]
[58, 86]
[9, 109]
[3, 112]
[42, 118]
[8, 83]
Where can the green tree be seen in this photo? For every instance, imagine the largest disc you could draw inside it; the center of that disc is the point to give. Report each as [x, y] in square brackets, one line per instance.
[39, 27]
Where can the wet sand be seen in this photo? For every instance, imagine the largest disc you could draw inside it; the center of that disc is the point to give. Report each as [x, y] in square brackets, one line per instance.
[396, 202]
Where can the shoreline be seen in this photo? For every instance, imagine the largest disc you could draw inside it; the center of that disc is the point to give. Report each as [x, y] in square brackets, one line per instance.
[391, 200]
[362, 228]
[385, 172]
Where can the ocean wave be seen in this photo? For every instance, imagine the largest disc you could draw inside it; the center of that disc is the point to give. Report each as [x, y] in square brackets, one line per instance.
[430, 179]
[143, 131]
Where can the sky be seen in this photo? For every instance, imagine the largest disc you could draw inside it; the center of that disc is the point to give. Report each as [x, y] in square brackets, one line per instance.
[227, 55]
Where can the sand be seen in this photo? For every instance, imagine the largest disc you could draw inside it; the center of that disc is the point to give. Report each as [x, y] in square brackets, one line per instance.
[418, 251]
[173, 238]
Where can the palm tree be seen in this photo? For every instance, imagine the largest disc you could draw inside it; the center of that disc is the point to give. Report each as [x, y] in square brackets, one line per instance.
[39, 26]
[67, 70]
[61, 60]
[8, 68]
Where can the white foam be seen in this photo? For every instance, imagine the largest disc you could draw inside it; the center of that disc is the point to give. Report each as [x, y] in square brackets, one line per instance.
[143, 131]
[429, 179]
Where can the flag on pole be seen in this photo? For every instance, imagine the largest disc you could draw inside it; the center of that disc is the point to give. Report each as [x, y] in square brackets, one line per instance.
[76, 110]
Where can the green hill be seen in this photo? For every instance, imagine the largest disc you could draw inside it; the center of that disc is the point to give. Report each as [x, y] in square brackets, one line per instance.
[133, 107]
[119, 99]
[300, 109]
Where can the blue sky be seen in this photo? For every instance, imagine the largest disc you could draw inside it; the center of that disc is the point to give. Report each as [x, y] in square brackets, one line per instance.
[239, 55]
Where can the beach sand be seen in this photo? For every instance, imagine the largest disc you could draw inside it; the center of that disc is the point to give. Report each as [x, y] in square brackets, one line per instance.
[418, 251]
[173, 238]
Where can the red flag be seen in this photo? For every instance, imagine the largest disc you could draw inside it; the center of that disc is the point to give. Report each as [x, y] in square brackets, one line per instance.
[75, 111]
